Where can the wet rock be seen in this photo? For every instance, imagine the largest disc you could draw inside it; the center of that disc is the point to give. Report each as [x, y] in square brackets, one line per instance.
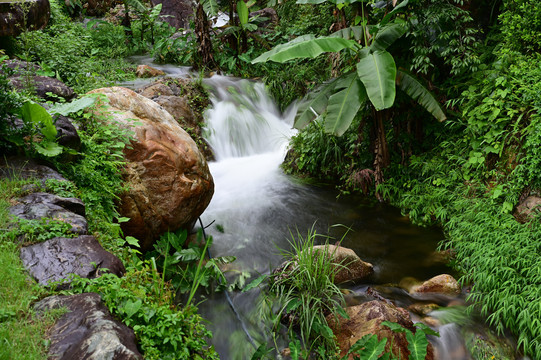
[145, 71]
[431, 321]
[409, 283]
[87, 330]
[366, 319]
[349, 267]
[442, 284]
[67, 133]
[43, 85]
[440, 257]
[423, 309]
[19, 167]
[528, 209]
[13, 19]
[169, 181]
[179, 108]
[43, 205]
[176, 12]
[55, 259]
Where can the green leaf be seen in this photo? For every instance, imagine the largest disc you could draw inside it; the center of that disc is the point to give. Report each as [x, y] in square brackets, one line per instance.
[387, 35]
[313, 2]
[413, 87]
[210, 7]
[353, 31]
[306, 46]
[254, 283]
[343, 106]
[373, 348]
[132, 241]
[74, 106]
[377, 72]
[261, 351]
[313, 105]
[243, 12]
[132, 307]
[48, 148]
[426, 329]
[394, 327]
[36, 114]
[417, 345]
[396, 9]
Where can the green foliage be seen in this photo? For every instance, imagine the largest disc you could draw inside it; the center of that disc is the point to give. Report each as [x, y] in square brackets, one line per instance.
[184, 265]
[143, 301]
[521, 25]
[303, 293]
[29, 232]
[84, 57]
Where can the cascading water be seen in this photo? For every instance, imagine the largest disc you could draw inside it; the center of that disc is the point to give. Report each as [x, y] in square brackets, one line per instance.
[255, 206]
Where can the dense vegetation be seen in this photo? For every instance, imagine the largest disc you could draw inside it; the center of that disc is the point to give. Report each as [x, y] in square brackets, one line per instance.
[477, 60]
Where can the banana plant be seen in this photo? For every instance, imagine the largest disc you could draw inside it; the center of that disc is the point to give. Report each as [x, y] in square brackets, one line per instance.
[374, 81]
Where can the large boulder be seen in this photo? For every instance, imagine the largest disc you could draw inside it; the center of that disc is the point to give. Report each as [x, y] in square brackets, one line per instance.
[176, 12]
[442, 284]
[12, 16]
[55, 259]
[87, 330]
[366, 319]
[169, 181]
[528, 209]
[43, 205]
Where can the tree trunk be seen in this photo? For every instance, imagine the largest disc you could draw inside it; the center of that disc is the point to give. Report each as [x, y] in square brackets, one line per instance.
[202, 31]
[381, 150]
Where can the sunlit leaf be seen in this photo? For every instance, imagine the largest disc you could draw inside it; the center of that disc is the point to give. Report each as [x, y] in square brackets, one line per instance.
[377, 71]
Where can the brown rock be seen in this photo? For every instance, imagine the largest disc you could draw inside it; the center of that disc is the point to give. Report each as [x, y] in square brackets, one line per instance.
[169, 181]
[180, 109]
[423, 309]
[409, 283]
[176, 12]
[528, 209]
[145, 71]
[156, 89]
[366, 319]
[12, 16]
[442, 284]
[349, 267]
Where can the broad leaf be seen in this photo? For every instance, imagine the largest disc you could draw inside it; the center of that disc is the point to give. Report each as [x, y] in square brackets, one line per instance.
[373, 348]
[210, 7]
[243, 12]
[377, 72]
[74, 106]
[48, 148]
[387, 35]
[313, 105]
[306, 46]
[255, 283]
[397, 8]
[427, 330]
[355, 32]
[397, 328]
[343, 106]
[38, 115]
[417, 345]
[261, 352]
[413, 87]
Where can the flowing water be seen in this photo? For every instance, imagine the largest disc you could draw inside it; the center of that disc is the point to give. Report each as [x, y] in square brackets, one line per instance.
[256, 207]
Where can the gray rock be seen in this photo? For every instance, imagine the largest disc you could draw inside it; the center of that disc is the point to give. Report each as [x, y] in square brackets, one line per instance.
[528, 209]
[87, 330]
[176, 12]
[20, 67]
[12, 18]
[43, 85]
[67, 133]
[18, 167]
[53, 260]
[43, 205]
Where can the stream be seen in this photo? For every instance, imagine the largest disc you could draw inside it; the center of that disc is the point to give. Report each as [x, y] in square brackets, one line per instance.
[256, 208]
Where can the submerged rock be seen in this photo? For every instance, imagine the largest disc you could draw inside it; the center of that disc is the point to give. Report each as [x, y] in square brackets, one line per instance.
[87, 330]
[55, 259]
[366, 319]
[169, 181]
[43, 205]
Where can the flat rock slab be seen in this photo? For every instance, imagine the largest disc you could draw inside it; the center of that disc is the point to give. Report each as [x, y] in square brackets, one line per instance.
[55, 259]
[43, 85]
[87, 330]
[44, 205]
